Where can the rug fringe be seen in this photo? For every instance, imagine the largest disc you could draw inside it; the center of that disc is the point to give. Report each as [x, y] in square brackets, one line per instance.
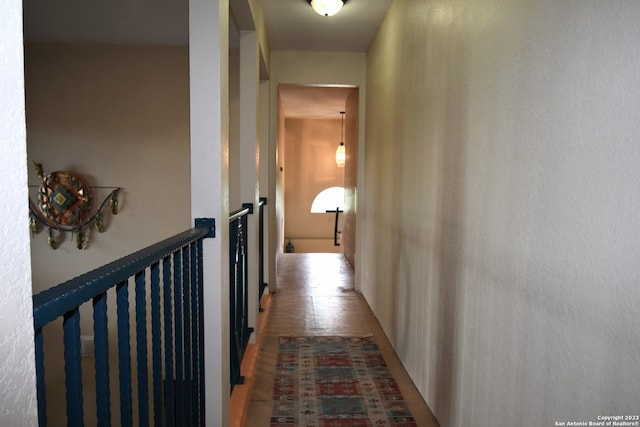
[369, 335]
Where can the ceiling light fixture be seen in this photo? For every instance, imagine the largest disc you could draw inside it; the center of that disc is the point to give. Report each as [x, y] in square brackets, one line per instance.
[341, 155]
[327, 7]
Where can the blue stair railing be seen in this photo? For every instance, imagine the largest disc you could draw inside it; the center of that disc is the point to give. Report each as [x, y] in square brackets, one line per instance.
[167, 279]
[240, 332]
[262, 285]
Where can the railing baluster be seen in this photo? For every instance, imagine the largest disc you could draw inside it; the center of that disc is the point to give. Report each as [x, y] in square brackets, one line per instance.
[246, 330]
[186, 277]
[124, 354]
[181, 315]
[42, 396]
[233, 259]
[156, 350]
[193, 284]
[73, 368]
[168, 342]
[180, 348]
[101, 347]
[239, 296]
[201, 332]
[261, 284]
[141, 349]
[240, 279]
[238, 290]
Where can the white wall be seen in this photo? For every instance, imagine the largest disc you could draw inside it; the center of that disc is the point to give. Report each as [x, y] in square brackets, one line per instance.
[266, 167]
[209, 119]
[235, 201]
[119, 116]
[18, 405]
[501, 214]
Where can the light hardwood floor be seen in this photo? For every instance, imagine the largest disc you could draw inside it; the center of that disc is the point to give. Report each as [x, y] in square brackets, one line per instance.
[315, 296]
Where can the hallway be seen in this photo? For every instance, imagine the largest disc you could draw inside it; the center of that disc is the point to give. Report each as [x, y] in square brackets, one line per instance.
[316, 296]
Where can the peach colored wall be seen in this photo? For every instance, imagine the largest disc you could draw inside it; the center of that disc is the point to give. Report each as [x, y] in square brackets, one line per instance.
[352, 117]
[310, 146]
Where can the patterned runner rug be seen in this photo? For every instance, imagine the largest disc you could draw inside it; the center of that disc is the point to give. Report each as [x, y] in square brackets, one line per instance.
[335, 381]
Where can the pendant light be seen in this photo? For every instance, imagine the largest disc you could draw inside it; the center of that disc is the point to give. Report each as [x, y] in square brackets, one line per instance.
[341, 155]
[327, 7]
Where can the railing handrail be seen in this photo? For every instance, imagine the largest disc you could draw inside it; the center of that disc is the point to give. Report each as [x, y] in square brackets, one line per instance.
[52, 303]
[239, 213]
[178, 319]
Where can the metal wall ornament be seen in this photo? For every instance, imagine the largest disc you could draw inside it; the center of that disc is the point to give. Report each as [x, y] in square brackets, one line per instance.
[65, 204]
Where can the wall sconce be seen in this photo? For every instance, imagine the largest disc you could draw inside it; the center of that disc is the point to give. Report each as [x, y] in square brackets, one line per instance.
[341, 155]
[65, 204]
[327, 7]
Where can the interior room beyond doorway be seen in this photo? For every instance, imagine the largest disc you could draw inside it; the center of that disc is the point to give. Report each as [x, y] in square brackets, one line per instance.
[312, 130]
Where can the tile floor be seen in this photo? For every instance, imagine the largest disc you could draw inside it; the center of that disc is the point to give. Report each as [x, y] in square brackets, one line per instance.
[315, 296]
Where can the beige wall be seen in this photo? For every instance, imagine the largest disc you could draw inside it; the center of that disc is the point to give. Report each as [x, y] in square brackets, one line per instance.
[310, 146]
[235, 201]
[501, 213]
[120, 117]
[263, 40]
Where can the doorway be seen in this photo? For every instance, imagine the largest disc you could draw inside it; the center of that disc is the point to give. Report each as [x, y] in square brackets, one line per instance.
[312, 129]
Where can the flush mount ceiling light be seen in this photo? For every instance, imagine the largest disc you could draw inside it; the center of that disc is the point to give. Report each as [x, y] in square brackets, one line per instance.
[341, 155]
[327, 7]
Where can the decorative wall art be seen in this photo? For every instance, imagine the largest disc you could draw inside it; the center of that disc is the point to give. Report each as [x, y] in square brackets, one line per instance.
[65, 204]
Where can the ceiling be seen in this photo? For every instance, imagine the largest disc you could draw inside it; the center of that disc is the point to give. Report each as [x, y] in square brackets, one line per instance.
[291, 25]
[294, 25]
[313, 102]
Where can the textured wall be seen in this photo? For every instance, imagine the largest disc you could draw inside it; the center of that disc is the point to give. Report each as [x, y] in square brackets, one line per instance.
[17, 367]
[501, 208]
